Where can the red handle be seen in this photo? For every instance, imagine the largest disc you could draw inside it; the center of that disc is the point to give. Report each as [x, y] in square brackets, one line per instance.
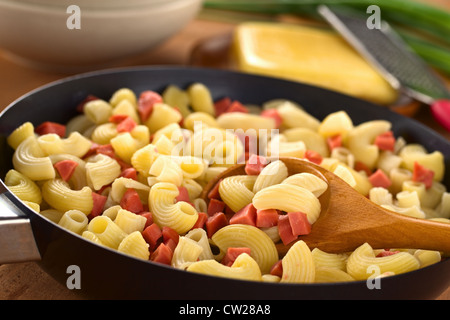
[441, 112]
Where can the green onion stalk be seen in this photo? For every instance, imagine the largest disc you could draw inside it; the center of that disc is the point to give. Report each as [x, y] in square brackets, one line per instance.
[425, 28]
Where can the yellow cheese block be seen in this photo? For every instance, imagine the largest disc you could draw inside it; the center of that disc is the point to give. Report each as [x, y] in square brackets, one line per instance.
[310, 55]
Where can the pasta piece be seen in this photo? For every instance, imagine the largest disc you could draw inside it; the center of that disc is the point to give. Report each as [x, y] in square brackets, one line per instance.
[192, 167]
[102, 134]
[292, 116]
[23, 187]
[98, 111]
[311, 139]
[398, 176]
[279, 147]
[129, 221]
[262, 248]
[249, 123]
[186, 252]
[180, 216]
[360, 141]
[274, 173]
[125, 146]
[200, 205]
[121, 95]
[193, 187]
[57, 194]
[331, 275]
[75, 144]
[298, 264]
[308, 181]
[143, 159]
[363, 257]
[416, 153]
[161, 116]
[406, 199]
[173, 132]
[443, 208]
[244, 268]
[433, 195]
[327, 260]
[201, 238]
[81, 124]
[33, 206]
[127, 108]
[200, 118]
[270, 278]
[141, 135]
[101, 170]
[107, 231]
[288, 198]
[111, 212]
[200, 98]
[167, 170]
[91, 237]
[344, 156]
[336, 123]
[74, 220]
[427, 257]
[30, 160]
[134, 245]
[122, 184]
[176, 97]
[236, 192]
[19, 134]
[381, 196]
[388, 161]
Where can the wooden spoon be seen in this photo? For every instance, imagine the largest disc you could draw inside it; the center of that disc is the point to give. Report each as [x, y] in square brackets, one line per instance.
[348, 219]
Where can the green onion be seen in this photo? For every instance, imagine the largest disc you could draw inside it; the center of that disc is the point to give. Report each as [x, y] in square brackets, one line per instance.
[428, 26]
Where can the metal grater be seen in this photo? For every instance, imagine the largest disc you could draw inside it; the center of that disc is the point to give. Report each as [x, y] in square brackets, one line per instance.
[389, 54]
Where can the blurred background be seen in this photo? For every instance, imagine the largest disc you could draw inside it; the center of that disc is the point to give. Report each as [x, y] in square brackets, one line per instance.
[40, 43]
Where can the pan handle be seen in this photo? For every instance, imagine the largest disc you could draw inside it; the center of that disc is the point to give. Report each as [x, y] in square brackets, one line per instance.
[17, 242]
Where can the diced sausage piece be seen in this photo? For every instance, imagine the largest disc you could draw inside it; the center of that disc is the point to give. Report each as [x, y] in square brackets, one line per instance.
[299, 223]
[266, 218]
[285, 230]
[255, 164]
[183, 195]
[99, 203]
[236, 106]
[313, 156]
[222, 105]
[385, 141]
[386, 253]
[170, 237]
[126, 125]
[216, 222]
[380, 179]
[232, 254]
[148, 215]
[66, 168]
[214, 193]
[163, 254]
[277, 269]
[129, 173]
[152, 235]
[422, 174]
[51, 127]
[117, 118]
[145, 103]
[201, 220]
[246, 215]
[130, 201]
[274, 114]
[215, 206]
[334, 141]
[361, 166]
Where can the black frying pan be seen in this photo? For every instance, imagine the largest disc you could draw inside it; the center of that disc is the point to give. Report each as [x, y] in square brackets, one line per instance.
[107, 274]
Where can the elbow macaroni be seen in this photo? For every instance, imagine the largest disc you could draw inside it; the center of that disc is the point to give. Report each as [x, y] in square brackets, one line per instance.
[182, 150]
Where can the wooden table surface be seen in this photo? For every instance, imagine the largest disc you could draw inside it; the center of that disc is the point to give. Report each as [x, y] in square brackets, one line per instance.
[26, 281]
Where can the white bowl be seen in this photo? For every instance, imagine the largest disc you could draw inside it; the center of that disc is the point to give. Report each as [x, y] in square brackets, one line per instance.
[38, 34]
